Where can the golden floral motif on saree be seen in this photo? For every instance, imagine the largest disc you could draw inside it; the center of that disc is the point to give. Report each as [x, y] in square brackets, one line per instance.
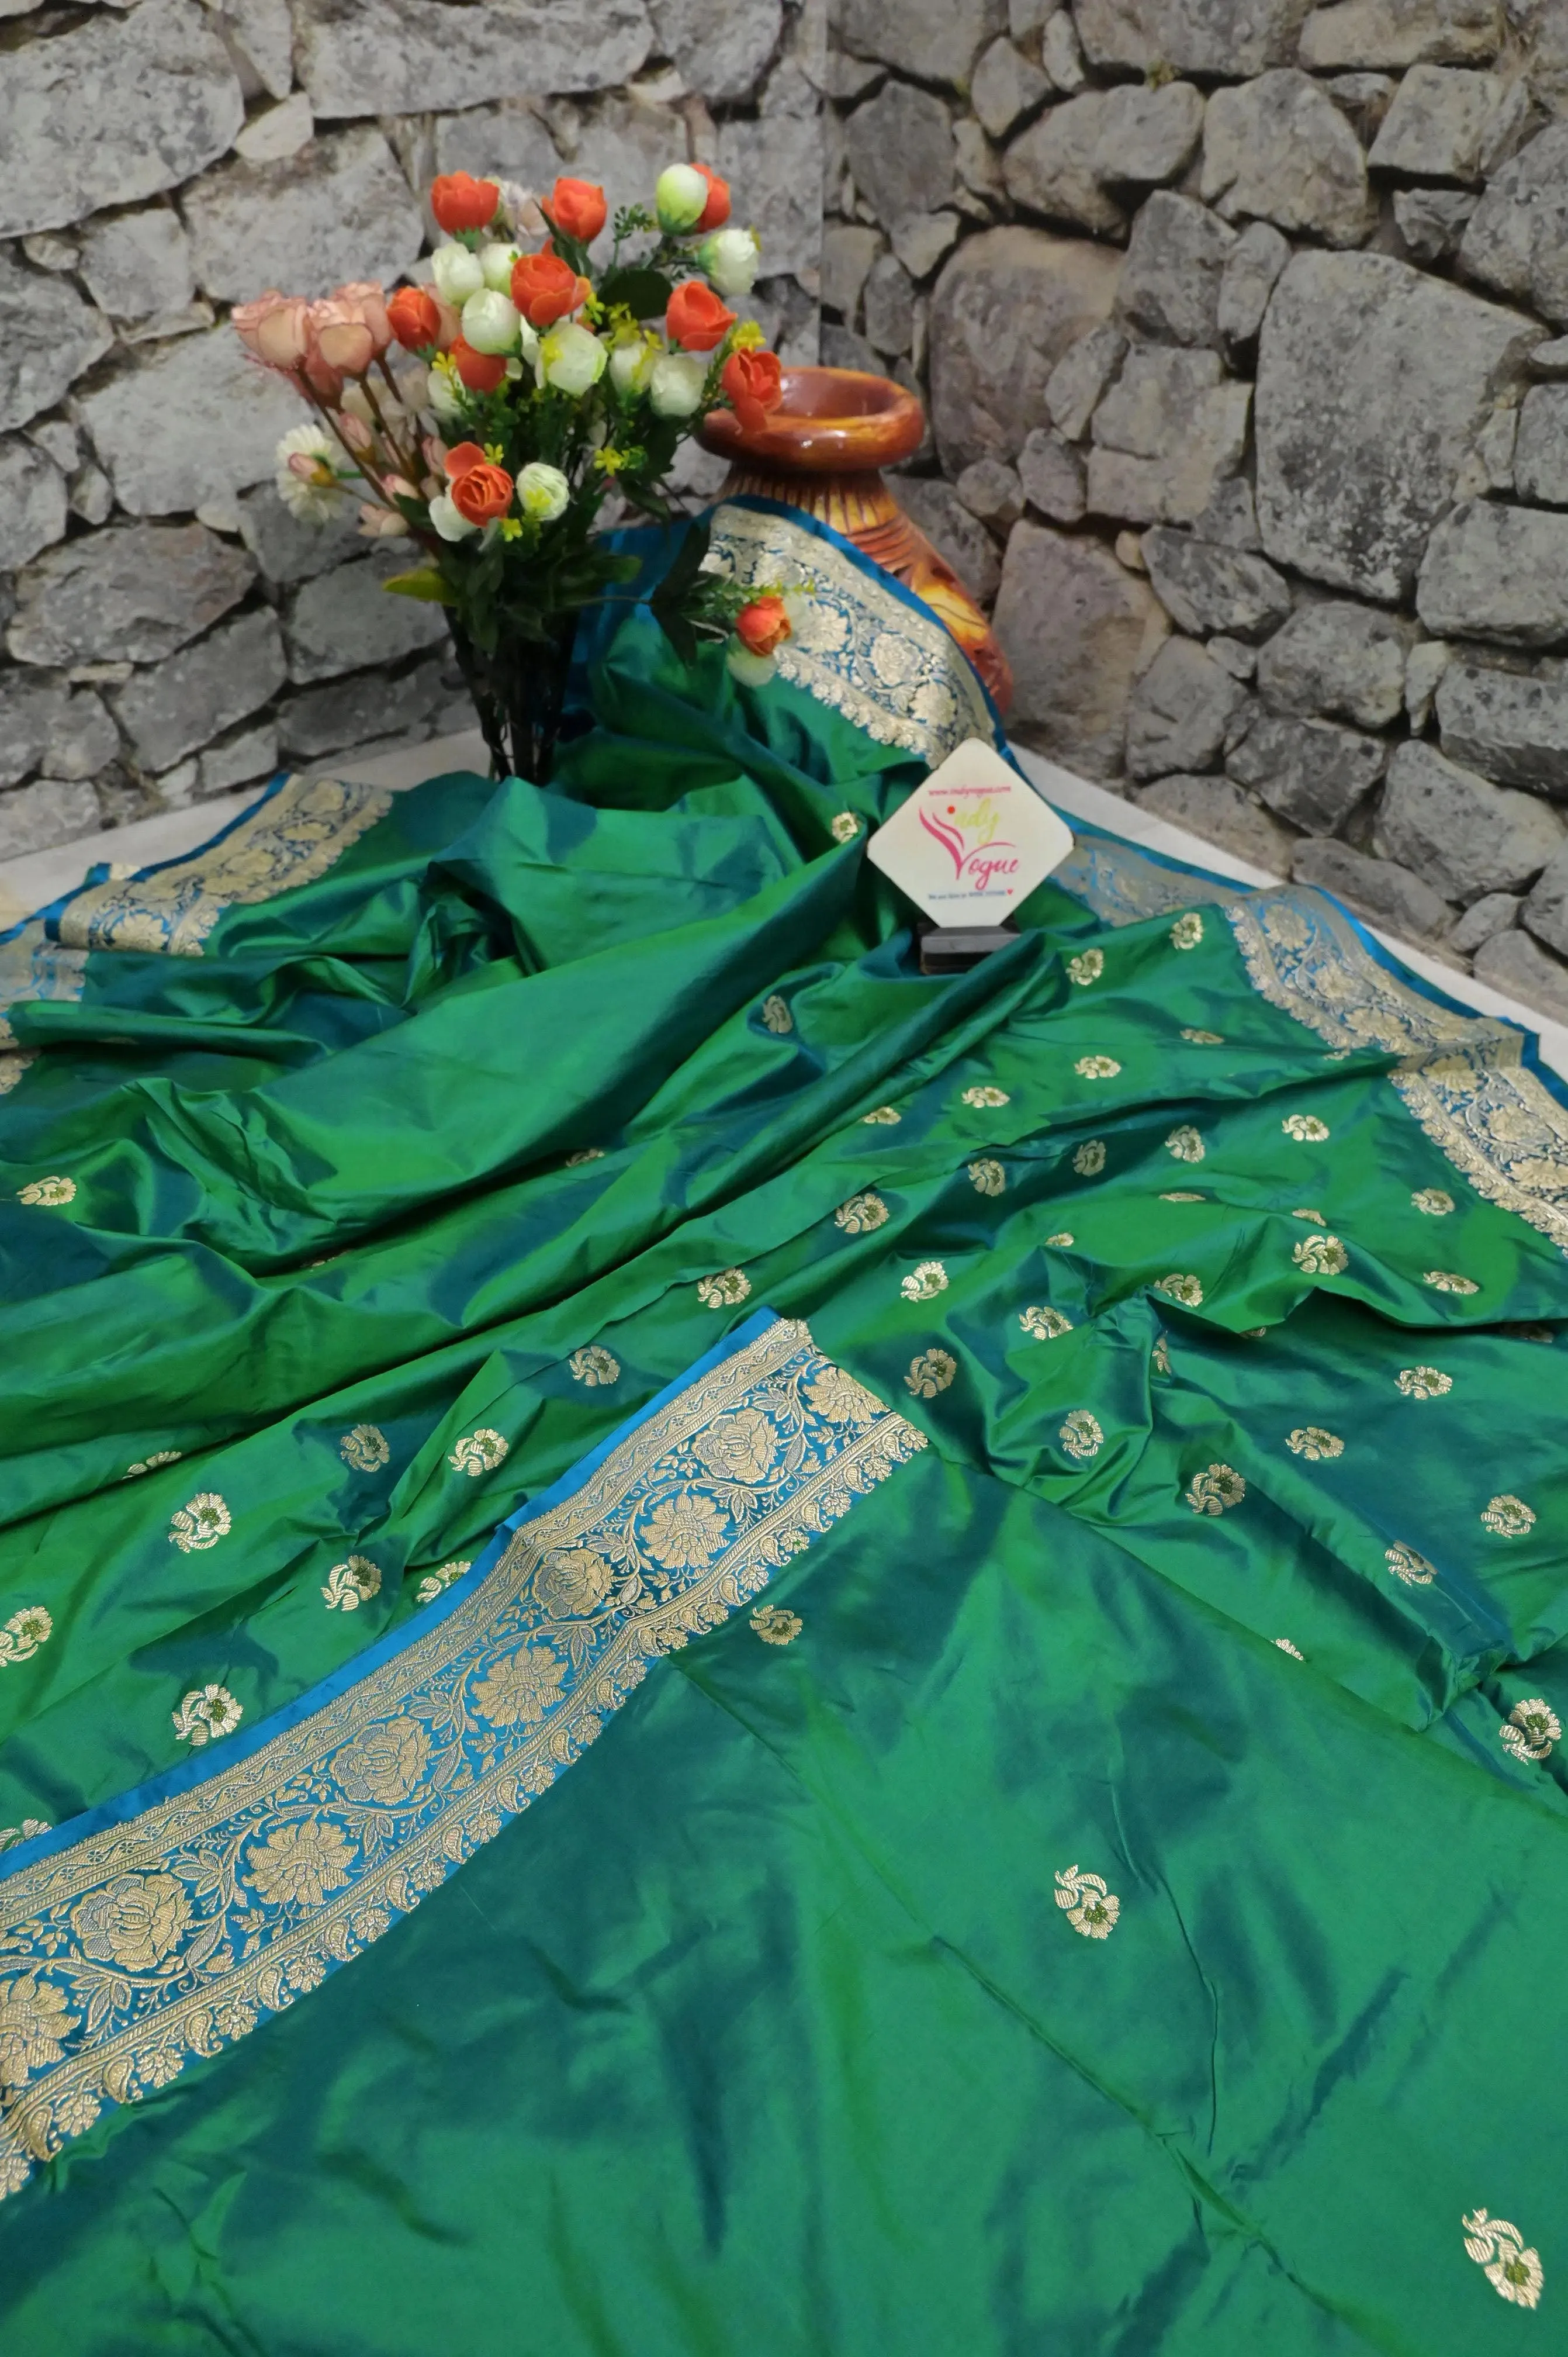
[776, 1625]
[776, 1015]
[1214, 1489]
[1508, 1517]
[431, 1585]
[861, 1215]
[206, 1713]
[931, 1372]
[12, 1068]
[1187, 931]
[1530, 1729]
[1082, 1436]
[1412, 1568]
[366, 1448]
[987, 1178]
[28, 1830]
[595, 1365]
[924, 1283]
[882, 1116]
[1086, 967]
[1305, 1213]
[22, 1634]
[1203, 1038]
[1160, 1355]
[234, 1896]
[1097, 1068]
[201, 1522]
[1498, 2249]
[151, 1464]
[292, 837]
[479, 1452]
[1423, 1383]
[583, 1155]
[1435, 1201]
[1294, 1651]
[1088, 1906]
[351, 1583]
[1187, 1290]
[1311, 1441]
[1443, 1280]
[985, 1098]
[1063, 1237]
[1181, 1195]
[50, 1193]
[1088, 1160]
[1305, 1128]
[1045, 1323]
[724, 1290]
[1321, 1256]
[844, 827]
[1185, 1144]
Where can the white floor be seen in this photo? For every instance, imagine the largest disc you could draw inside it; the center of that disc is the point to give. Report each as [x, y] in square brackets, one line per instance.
[44, 875]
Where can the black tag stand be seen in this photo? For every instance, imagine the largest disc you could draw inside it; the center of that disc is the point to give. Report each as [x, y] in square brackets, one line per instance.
[953, 949]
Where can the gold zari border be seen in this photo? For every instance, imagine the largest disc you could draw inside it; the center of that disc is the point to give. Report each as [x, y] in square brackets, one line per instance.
[164, 1937]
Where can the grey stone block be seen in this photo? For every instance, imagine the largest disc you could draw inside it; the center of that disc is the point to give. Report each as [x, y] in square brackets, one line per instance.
[1381, 889]
[137, 264]
[252, 753]
[1180, 711]
[1458, 830]
[1432, 221]
[509, 140]
[1424, 666]
[288, 550]
[841, 347]
[45, 726]
[1513, 728]
[849, 249]
[1338, 658]
[1225, 37]
[132, 593]
[1165, 434]
[1235, 656]
[1251, 272]
[351, 711]
[50, 810]
[1513, 963]
[1546, 910]
[900, 149]
[261, 31]
[1177, 259]
[1053, 168]
[1061, 54]
[1541, 448]
[278, 131]
[339, 209]
[32, 502]
[1219, 811]
[954, 533]
[1496, 572]
[1005, 309]
[992, 491]
[1494, 912]
[889, 306]
[1230, 518]
[720, 47]
[1279, 149]
[112, 111]
[1050, 473]
[1518, 236]
[342, 620]
[937, 39]
[404, 57]
[1203, 587]
[921, 240]
[775, 166]
[1365, 98]
[1550, 358]
[51, 336]
[1079, 378]
[1440, 125]
[184, 701]
[1147, 135]
[1006, 85]
[1398, 33]
[1310, 772]
[1373, 384]
[141, 422]
[1077, 628]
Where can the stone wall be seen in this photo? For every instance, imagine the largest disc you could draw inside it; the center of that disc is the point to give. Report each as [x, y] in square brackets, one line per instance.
[169, 631]
[1240, 324]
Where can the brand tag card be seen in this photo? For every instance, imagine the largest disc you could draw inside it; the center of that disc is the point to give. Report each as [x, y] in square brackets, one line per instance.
[971, 844]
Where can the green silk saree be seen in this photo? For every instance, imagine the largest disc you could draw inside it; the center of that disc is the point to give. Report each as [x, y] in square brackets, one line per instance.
[705, 1647]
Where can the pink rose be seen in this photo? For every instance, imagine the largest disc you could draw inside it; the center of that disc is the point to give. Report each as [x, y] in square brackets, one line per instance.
[340, 338]
[367, 299]
[276, 329]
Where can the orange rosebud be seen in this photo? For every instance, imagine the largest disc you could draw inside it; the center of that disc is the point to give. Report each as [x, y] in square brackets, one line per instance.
[763, 626]
[696, 320]
[716, 212]
[463, 460]
[415, 319]
[754, 381]
[480, 371]
[578, 207]
[482, 493]
[545, 290]
[459, 201]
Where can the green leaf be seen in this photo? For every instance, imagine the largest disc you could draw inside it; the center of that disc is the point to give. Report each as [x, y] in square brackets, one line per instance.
[645, 292]
[424, 583]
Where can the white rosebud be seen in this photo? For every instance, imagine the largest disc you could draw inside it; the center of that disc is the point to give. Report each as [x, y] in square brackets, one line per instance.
[752, 671]
[447, 519]
[446, 400]
[680, 199]
[675, 387]
[730, 257]
[631, 364]
[571, 359]
[542, 492]
[491, 322]
[456, 273]
[496, 260]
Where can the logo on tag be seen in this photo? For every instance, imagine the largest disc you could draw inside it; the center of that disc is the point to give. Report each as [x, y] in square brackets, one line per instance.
[972, 842]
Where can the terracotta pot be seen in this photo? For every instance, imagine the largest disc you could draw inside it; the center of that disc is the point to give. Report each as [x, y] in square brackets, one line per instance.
[824, 450]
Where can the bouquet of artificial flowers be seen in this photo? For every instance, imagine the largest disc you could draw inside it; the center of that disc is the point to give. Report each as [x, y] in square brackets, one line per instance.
[489, 414]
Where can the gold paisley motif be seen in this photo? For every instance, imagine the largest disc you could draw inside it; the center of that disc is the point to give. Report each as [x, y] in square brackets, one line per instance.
[882, 1116]
[1187, 1290]
[1443, 1280]
[924, 1283]
[1185, 1144]
[1214, 1489]
[1514, 2271]
[1412, 1568]
[49, 1194]
[776, 1015]
[931, 1372]
[1044, 1323]
[1310, 1440]
[201, 1522]
[12, 1068]
[724, 1290]
[594, 1366]
[1160, 1355]
[1181, 1195]
[583, 1155]
[1089, 1907]
[775, 1625]
[1287, 1647]
[1435, 1201]
[1088, 1161]
[1063, 1237]
[985, 1098]
[1086, 967]
[22, 1634]
[1530, 1729]
[366, 1448]
[351, 1583]
[844, 827]
[1423, 1383]
[1082, 1436]
[1321, 1256]
[987, 1178]
[1097, 1068]
[206, 1713]
[1187, 931]
[1508, 1516]
[1203, 1038]
[1316, 1217]
[151, 1464]
[861, 1215]
[479, 1452]
[431, 1585]
[1305, 1128]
